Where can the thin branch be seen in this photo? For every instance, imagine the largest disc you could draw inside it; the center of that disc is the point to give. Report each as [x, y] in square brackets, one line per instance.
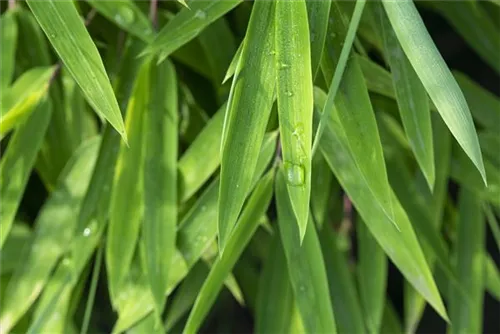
[153, 13]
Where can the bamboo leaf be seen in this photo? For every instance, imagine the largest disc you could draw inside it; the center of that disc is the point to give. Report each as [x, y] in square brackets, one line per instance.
[401, 245]
[247, 113]
[322, 187]
[17, 162]
[69, 37]
[274, 296]
[437, 79]
[355, 113]
[295, 103]
[305, 266]
[411, 97]
[206, 148]
[469, 265]
[345, 300]
[186, 25]
[127, 15]
[16, 244]
[317, 16]
[99, 191]
[234, 62]
[160, 178]
[196, 232]
[491, 277]
[8, 36]
[372, 277]
[23, 97]
[126, 206]
[52, 236]
[344, 37]
[248, 223]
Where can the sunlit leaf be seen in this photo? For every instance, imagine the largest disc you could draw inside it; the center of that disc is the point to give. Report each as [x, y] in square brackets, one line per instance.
[67, 33]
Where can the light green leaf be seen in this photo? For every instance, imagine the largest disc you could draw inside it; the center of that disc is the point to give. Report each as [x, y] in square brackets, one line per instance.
[126, 15]
[196, 233]
[469, 265]
[295, 103]
[99, 191]
[247, 224]
[17, 163]
[437, 79]
[186, 25]
[160, 177]
[52, 236]
[371, 277]
[354, 109]
[401, 245]
[234, 62]
[305, 266]
[8, 36]
[66, 32]
[126, 206]
[247, 113]
[206, 148]
[343, 294]
[318, 12]
[23, 97]
[275, 295]
[411, 97]
[391, 322]
[342, 37]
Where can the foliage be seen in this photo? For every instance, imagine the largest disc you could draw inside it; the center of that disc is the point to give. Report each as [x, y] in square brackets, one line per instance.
[162, 161]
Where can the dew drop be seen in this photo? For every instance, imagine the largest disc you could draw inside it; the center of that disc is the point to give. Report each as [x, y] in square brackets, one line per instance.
[53, 35]
[200, 14]
[86, 232]
[272, 53]
[295, 174]
[284, 66]
[289, 93]
[124, 15]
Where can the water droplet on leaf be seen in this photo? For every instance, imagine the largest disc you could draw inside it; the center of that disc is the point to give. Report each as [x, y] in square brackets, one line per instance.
[295, 174]
[124, 15]
[200, 14]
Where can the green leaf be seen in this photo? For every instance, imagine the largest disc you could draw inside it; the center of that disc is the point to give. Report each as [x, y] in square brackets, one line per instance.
[196, 232]
[52, 236]
[14, 247]
[126, 15]
[126, 207]
[437, 79]
[66, 32]
[344, 38]
[475, 26]
[247, 224]
[275, 296]
[352, 104]
[322, 186]
[206, 148]
[17, 163]
[491, 277]
[401, 245]
[411, 96]
[295, 103]
[234, 62]
[160, 177]
[345, 300]
[371, 277]
[305, 266]
[391, 322]
[186, 25]
[92, 290]
[23, 97]
[469, 265]
[484, 105]
[247, 113]
[99, 191]
[318, 12]
[8, 36]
